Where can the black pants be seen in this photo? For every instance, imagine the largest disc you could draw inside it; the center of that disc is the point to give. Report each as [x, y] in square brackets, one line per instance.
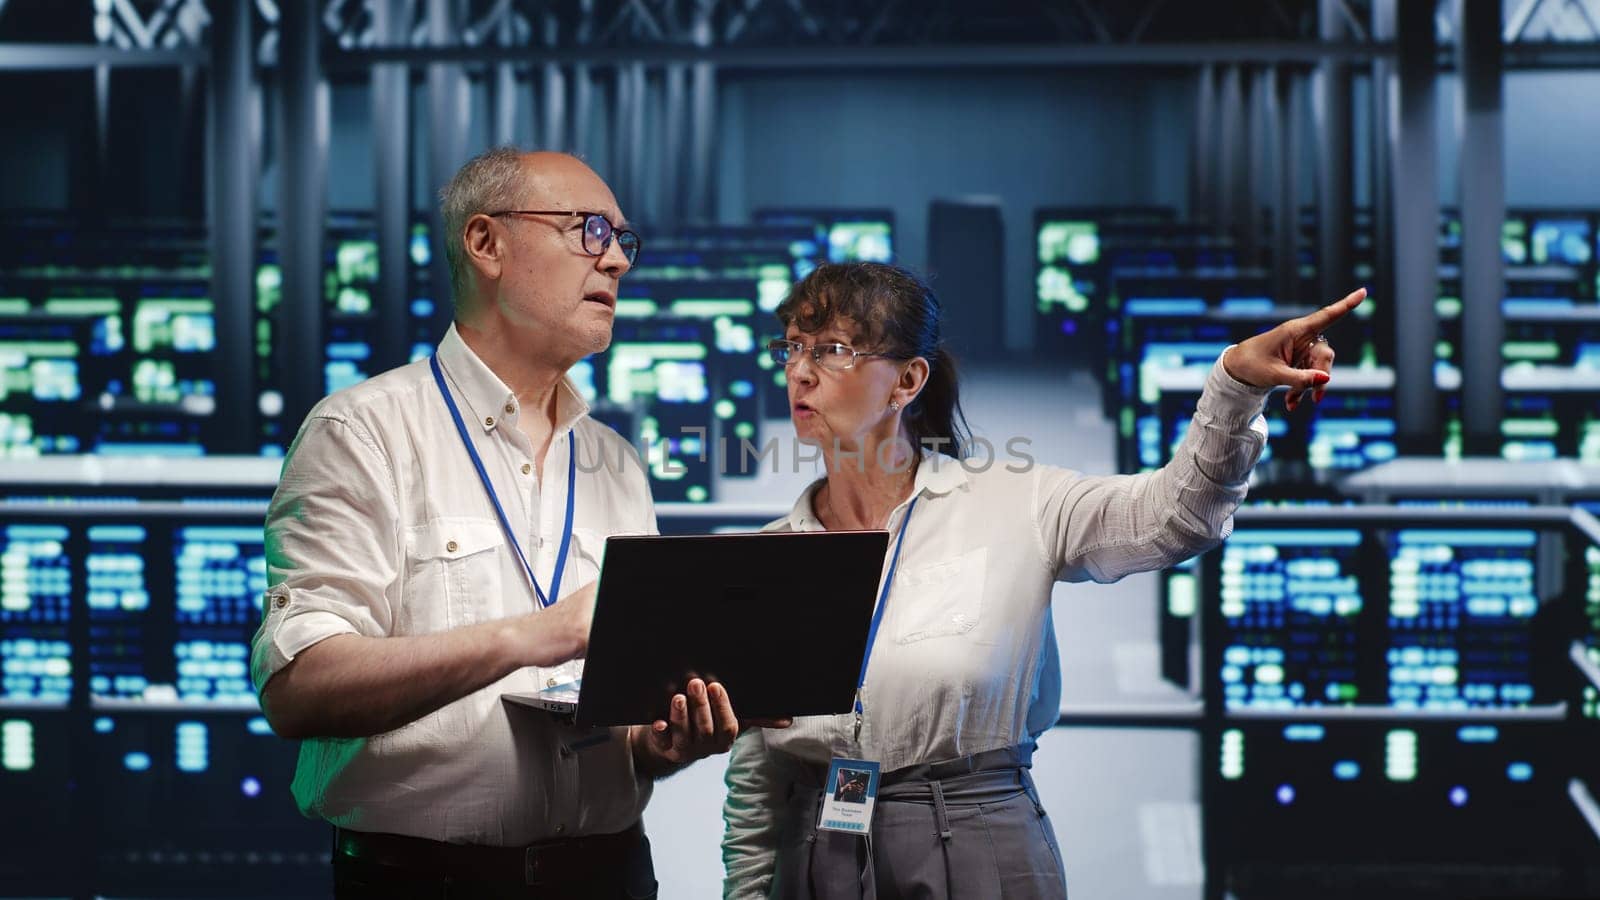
[630, 876]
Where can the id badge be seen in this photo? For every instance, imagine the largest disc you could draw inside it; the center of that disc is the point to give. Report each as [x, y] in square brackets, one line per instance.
[849, 793]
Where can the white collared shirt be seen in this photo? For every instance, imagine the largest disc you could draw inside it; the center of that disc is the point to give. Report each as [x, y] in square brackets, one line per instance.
[380, 526]
[965, 658]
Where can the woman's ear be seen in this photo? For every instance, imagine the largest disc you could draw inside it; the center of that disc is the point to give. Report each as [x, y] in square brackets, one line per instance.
[913, 378]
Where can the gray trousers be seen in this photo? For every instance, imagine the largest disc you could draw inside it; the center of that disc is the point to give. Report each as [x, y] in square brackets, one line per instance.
[966, 829]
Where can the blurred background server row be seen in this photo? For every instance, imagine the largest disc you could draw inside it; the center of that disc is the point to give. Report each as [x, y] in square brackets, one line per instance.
[1387, 682]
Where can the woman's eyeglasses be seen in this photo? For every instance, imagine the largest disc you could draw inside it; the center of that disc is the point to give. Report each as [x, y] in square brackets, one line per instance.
[836, 357]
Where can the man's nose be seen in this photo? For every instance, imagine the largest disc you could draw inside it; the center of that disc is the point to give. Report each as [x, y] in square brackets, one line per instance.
[613, 261]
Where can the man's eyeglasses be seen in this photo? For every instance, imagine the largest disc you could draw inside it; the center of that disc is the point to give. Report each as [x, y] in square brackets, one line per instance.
[827, 356]
[597, 231]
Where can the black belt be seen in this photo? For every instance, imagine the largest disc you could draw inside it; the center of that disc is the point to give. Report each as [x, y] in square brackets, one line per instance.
[1019, 756]
[547, 863]
[1002, 760]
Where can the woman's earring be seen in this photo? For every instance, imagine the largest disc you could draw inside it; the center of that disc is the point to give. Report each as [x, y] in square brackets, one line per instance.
[894, 406]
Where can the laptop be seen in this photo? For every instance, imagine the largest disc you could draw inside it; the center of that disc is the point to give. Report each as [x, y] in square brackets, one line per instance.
[780, 619]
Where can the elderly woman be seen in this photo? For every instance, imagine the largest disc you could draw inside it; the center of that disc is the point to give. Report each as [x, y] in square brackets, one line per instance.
[956, 685]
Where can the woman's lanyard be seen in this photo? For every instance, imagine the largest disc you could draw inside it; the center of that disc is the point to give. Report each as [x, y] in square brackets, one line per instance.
[516, 543]
[877, 614]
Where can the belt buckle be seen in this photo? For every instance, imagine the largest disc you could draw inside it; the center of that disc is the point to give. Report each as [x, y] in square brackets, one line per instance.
[531, 866]
[542, 864]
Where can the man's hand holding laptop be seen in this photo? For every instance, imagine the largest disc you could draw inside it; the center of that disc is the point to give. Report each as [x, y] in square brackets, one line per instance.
[700, 723]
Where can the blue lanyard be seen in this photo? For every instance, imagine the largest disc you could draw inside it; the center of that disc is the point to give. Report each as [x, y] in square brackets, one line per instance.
[516, 542]
[877, 614]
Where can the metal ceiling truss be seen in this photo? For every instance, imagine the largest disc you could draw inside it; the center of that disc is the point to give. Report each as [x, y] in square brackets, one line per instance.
[150, 24]
[798, 32]
[1533, 21]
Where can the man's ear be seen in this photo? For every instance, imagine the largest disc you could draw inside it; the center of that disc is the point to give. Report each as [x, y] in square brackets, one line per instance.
[483, 247]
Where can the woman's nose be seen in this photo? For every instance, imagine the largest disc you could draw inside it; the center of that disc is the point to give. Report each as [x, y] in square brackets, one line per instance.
[802, 368]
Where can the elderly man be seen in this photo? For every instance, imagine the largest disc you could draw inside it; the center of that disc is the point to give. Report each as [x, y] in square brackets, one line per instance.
[432, 544]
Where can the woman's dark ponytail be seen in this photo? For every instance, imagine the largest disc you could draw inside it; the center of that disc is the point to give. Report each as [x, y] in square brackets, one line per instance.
[934, 419]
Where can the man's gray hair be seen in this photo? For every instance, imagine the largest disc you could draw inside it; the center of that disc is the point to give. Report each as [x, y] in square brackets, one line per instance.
[489, 182]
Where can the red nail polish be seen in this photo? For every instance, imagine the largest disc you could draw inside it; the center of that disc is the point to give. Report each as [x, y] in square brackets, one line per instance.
[1321, 377]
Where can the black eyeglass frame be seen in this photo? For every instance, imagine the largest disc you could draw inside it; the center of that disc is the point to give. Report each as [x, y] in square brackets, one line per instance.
[623, 236]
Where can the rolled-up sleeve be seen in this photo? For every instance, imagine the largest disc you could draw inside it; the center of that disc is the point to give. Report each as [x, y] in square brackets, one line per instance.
[749, 814]
[333, 545]
[1103, 528]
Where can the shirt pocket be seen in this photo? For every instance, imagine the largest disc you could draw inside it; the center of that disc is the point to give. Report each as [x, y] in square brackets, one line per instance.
[941, 600]
[455, 565]
[583, 558]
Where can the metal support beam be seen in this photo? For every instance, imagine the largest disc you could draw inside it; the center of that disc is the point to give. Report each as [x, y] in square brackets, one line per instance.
[673, 172]
[637, 174]
[624, 139]
[1519, 20]
[302, 202]
[504, 93]
[191, 204]
[231, 169]
[702, 203]
[1352, 22]
[1233, 132]
[614, 165]
[391, 166]
[1483, 210]
[926, 56]
[503, 105]
[66, 57]
[102, 125]
[553, 133]
[1096, 24]
[1285, 119]
[447, 130]
[1150, 9]
[1334, 206]
[1203, 152]
[1257, 133]
[581, 138]
[734, 61]
[1380, 284]
[1414, 151]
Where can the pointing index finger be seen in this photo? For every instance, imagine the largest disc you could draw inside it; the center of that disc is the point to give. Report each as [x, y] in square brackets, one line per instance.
[1333, 312]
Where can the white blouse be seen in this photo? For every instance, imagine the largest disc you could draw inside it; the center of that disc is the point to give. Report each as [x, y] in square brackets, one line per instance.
[965, 658]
